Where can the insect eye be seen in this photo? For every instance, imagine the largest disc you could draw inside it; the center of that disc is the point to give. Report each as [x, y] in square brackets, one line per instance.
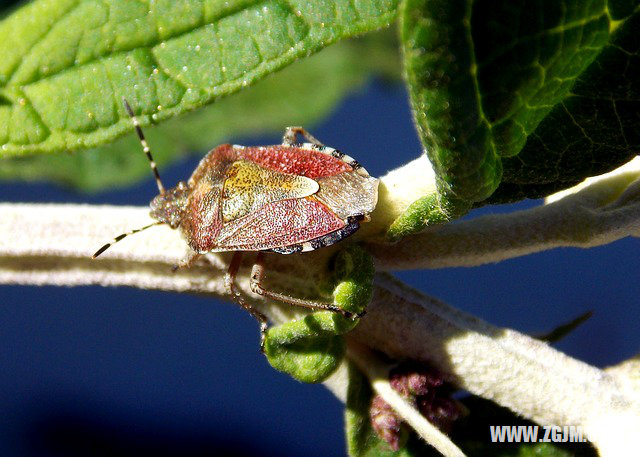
[169, 207]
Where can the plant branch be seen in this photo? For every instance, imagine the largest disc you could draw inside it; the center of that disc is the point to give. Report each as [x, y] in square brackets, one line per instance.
[398, 189]
[52, 244]
[598, 211]
[519, 372]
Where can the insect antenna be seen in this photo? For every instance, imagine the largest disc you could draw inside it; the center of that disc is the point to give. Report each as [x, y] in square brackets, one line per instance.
[120, 237]
[145, 145]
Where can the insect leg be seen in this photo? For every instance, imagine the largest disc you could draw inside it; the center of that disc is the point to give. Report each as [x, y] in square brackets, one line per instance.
[291, 136]
[257, 275]
[230, 284]
[186, 263]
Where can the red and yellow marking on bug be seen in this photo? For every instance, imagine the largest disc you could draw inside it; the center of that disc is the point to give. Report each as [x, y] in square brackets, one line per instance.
[286, 198]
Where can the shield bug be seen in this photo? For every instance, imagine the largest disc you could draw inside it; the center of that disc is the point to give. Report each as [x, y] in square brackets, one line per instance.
[287, 198]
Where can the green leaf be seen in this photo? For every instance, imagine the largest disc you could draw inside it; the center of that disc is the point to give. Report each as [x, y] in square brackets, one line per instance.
[357, 424]
[526, 98]
[361, 439]
[307, 349]
[592, 131]
[429, 210]
[353, 271]
[67, 63]
[300, 94]
[310, 349]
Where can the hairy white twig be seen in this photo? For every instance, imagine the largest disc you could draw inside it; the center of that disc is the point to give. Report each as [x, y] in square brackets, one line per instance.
[52, 244]
[600, 210]
[524, 374]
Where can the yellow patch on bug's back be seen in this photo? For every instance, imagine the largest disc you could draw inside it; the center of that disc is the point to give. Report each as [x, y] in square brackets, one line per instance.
[248, 187]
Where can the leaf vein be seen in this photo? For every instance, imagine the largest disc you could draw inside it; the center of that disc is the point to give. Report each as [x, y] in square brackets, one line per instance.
[38, 41]
[615, 111]
[125, 49]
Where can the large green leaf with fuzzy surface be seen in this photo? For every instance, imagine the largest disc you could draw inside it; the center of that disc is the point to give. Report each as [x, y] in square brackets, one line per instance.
[594, 129]
[66, 64]
[517, 99]
[300, 94]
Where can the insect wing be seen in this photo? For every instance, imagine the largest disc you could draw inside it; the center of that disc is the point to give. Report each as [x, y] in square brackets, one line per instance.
[248, 187]
[279, 224]
[345, 186]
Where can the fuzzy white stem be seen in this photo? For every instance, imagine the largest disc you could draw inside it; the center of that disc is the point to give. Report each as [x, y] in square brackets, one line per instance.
[516, 371]
[398, 189]
[600, 210]
[52, 244]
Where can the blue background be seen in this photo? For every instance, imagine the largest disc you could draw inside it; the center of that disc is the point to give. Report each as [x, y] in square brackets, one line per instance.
[91, 371]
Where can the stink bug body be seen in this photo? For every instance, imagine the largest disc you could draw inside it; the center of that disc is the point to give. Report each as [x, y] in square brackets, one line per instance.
[286, 198]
